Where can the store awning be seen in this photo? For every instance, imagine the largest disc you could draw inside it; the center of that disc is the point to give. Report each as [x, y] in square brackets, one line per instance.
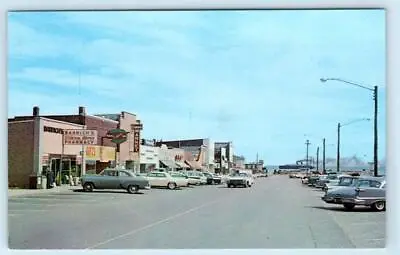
[181, 164]
[194, 165]
[168, 163]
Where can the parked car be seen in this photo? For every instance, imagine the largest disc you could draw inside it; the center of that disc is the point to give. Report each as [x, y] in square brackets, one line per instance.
[312, 180]
[323, 179]
[197, 177]
[164, 179]
[180, 175]
[212, 179]
[240, 179]
[342, 180]
[304, 179]
[112, 178]
[365, 191]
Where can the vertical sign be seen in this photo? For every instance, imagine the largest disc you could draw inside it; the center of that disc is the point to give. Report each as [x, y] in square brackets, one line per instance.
[136, 141]
[136, 136]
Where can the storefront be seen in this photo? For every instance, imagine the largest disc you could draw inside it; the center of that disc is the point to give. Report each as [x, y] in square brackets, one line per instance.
[97, 158]
[39, 147]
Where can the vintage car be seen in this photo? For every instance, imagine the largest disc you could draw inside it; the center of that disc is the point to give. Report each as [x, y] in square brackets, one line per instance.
[365, 191]
[165, 179]
[180, 175]
[198, 176]
[112, 178]
[342, 180]
[212, 179]
[323, 179]
[240, 179]
[312, 180]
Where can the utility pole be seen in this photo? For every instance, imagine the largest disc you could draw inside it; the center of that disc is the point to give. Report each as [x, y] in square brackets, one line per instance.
[323, 157]
[376, 131]
[307, 144]
[317, 158]
[338, 149]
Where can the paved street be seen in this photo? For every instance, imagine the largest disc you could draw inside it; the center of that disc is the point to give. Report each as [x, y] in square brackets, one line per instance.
[277, 212]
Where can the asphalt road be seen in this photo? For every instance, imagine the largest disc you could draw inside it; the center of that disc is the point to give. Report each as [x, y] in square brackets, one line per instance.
[277, 212]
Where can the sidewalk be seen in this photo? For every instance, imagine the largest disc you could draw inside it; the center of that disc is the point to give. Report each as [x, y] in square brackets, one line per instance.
[24, 192]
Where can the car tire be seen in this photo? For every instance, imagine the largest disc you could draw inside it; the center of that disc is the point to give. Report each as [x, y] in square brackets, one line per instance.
[228, 185]
[171, 185]
[133, 189]
[349, 206]
[88, 187]
[379, 206]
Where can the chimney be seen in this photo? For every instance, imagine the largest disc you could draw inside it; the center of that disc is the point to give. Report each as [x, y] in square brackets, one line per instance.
[82, 110]
[36, 111]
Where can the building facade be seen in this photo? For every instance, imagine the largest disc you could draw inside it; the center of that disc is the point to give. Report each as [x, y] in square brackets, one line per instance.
[149, 158]
[199, 149]
[223, 151]
[38, 144]
[239, 162]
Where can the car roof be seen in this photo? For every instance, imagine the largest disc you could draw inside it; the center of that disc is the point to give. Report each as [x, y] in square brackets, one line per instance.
[372, 178]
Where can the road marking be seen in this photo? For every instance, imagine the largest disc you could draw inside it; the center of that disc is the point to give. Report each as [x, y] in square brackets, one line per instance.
[27, 210]
[153, 224]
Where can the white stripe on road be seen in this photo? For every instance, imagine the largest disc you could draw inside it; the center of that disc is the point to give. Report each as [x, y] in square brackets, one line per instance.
[152, 224]
[27, 210]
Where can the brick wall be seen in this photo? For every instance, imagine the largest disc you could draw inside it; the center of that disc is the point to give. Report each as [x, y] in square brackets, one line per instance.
[102, 127]
[20, 153]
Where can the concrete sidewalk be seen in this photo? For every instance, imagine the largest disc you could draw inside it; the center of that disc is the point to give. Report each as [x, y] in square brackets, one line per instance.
[55, 190]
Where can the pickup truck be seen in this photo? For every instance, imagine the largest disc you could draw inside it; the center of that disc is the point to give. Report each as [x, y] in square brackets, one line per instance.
[112, 178]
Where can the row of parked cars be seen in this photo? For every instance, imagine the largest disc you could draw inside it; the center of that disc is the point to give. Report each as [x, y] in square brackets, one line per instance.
[114, 178]
[349, 190]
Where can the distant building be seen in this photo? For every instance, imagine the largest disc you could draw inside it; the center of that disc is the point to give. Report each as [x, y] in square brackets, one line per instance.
[198, 148]
[238, 162]
[224, 151]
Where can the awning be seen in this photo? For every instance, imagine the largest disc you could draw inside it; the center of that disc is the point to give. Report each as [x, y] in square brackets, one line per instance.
[168, 163]
[194, 165]
[181, 164]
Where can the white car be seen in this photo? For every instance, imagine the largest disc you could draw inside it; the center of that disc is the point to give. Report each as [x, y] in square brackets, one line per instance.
[199, 176]
[240, 179]
[164, 179]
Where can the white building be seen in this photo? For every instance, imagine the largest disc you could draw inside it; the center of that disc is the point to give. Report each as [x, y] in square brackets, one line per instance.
[149, 158]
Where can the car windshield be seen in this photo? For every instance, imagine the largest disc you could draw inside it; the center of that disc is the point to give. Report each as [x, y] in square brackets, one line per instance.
[347, 181]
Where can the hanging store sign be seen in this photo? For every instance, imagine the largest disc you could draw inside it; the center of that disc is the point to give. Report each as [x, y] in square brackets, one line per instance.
[137, 127]
[136, 141]
[117, 136]
[80, 137]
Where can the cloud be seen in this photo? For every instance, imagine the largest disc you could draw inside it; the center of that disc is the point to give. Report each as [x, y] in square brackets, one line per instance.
[242, 76]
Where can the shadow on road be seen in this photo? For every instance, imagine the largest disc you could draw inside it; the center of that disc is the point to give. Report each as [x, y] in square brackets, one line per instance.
[342, 209]
[108, 191]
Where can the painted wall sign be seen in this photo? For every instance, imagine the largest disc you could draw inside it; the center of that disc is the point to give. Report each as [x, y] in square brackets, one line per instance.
[53, 130]
[80, 137]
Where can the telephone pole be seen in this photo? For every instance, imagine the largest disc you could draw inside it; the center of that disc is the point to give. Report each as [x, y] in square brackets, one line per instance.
[317, 158]
[323, 157]
[307, 144]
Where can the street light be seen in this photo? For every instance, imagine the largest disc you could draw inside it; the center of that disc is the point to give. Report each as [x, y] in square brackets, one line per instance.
[374, 89]
[338, 137]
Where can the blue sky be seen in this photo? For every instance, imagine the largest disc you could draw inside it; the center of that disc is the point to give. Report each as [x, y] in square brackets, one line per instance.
[251, 77]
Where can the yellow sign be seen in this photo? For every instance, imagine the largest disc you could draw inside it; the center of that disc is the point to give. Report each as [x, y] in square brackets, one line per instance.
[92, 153]
[107, 154]
[101, 153]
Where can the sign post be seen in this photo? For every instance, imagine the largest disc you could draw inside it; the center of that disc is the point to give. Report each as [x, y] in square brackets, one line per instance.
[117, 136]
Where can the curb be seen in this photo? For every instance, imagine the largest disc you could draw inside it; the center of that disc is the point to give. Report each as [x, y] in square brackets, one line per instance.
[27, 192]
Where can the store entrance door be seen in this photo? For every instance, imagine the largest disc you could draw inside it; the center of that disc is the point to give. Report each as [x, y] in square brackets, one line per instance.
[55, 168]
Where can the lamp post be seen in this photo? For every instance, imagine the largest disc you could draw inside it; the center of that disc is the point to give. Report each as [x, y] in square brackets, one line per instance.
[338, 139]
[374, 89]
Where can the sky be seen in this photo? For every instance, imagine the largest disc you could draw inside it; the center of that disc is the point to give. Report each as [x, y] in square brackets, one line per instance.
[250, 77]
